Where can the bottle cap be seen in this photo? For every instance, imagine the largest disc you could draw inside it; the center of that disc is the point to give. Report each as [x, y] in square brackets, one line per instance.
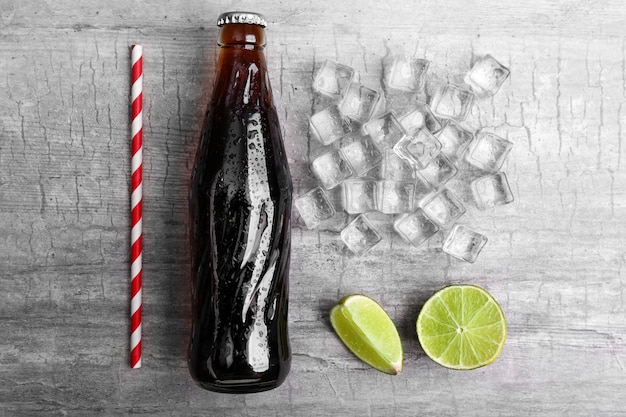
[241, 17]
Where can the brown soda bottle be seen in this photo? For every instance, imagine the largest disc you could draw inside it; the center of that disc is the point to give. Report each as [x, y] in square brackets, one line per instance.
[240, 208]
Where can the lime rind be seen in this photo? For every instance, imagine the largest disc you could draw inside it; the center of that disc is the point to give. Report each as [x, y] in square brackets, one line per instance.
[477, 322]
[368, 332]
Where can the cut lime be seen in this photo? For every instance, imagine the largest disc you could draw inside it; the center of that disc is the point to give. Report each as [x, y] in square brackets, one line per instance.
[366, 329]
[462, 327]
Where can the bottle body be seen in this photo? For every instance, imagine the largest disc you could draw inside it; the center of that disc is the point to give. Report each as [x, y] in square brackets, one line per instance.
[240, 210]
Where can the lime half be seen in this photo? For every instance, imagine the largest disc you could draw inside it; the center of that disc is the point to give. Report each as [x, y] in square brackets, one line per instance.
[366, 329]
[462, 327]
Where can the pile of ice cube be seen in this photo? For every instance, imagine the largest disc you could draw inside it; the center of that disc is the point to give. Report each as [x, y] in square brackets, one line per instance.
[395, 156]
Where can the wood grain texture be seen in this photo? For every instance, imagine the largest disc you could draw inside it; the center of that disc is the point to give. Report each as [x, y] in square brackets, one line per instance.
[555, 258]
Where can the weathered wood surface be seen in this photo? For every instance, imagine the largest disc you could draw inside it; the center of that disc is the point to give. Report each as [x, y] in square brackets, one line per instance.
[555, 258]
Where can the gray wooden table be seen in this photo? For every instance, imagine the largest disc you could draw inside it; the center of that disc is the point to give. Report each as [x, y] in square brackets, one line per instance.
[555, 258]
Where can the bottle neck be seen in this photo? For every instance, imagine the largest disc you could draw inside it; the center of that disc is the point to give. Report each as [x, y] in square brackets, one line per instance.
[240, 35]
[242, 79]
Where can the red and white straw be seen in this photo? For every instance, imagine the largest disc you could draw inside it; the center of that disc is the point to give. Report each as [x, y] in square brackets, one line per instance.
[135, 205]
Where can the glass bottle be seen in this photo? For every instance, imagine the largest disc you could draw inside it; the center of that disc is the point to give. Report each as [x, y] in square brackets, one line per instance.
[240, 208]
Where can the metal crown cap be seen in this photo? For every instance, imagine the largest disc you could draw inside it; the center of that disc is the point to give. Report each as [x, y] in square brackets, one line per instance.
[242, 17]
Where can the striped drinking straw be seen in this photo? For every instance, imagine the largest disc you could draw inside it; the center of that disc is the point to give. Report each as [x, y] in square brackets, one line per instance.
[136, 205]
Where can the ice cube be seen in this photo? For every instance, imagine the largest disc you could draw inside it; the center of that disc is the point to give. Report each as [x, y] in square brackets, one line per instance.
[395, 168]
[331, 169]
[395, 197]
[405, 73]
[359, 196]
[451, 102]
[464, 243]
[329, 124]
[314, 207]
[439, 171]
[444, 208]
[362, 155]
[332, 79]
[418, 148]
[415, 228]
[385, 131]
[487, 75]
[420, 117]
[488, 151]
[360, 236]
[454, 140]
[492, 190]
[359, 102]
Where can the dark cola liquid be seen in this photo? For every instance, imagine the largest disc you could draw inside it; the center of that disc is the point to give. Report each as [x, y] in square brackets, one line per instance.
[240, 210]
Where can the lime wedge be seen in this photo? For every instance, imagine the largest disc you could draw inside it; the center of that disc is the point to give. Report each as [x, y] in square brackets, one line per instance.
[366, 329]
[462, 327]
